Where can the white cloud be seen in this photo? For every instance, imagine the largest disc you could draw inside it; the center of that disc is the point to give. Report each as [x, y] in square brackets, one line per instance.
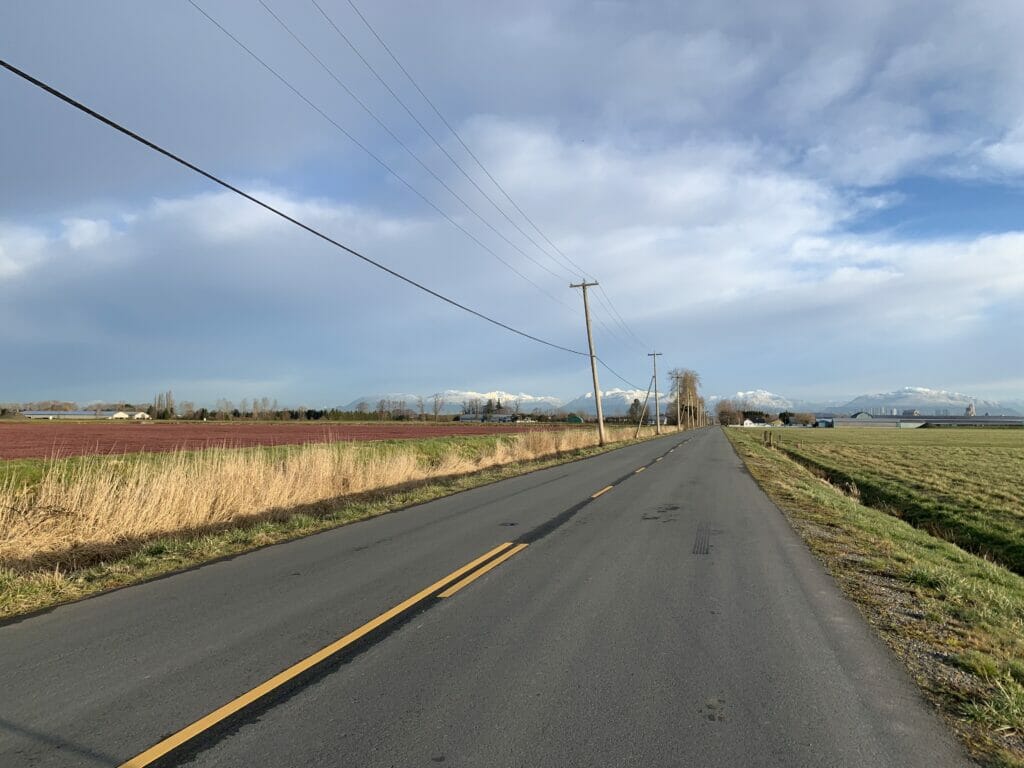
[21, 248]
[86, 233]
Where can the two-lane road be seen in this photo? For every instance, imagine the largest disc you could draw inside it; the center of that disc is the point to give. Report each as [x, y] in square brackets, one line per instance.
[547, 620]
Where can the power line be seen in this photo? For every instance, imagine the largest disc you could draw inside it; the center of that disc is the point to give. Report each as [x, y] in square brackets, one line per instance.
[621, 319]
[267, 206]
[371, 154]
[465, 146]
[449, 126]
[606, 303]
[616, 375]
[427, 131]
[398, 140]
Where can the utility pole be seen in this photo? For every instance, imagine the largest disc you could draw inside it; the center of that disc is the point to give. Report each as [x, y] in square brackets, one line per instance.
[643, 410]
[679, 407]
[657, 405]
[593, 360]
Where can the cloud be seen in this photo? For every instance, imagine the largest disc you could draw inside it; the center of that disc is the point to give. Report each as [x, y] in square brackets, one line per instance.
[21, 248]
[716, 167]
[86, 233]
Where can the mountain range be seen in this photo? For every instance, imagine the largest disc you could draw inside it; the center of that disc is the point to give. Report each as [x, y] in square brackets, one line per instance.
[616, 402]
[927, 401]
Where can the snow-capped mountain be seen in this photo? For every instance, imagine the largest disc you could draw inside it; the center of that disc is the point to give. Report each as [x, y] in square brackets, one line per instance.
[614, 402]
[927, 401]
[756, 400]
[454, 398]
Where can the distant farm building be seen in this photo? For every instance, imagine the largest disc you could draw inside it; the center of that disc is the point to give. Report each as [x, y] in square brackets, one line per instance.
[79, 415]
[913, 422]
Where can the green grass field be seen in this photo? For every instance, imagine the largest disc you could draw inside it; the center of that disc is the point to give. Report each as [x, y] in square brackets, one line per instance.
[899, 519]
[963, 485]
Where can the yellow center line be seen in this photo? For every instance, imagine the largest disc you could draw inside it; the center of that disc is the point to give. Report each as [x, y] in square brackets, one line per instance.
[477, 574]
[637, 472]
[602, 491]
[205, 723]
[659, 458]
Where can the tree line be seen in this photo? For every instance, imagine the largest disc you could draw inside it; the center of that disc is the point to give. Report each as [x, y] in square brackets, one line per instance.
[729, 412]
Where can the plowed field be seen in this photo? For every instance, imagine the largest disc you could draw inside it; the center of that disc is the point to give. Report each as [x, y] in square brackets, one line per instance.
[59, 440]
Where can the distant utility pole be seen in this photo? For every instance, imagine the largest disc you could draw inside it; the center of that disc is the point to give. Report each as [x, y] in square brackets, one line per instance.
[679, 407]
[593, 360]
[643, 410]
[657, 405]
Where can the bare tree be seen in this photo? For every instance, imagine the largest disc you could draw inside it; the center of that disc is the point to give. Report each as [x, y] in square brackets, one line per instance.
[728, 413]
[421, 408]
[436, 404]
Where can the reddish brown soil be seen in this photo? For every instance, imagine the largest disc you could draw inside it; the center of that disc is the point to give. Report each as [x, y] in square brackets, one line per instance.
[49, 439]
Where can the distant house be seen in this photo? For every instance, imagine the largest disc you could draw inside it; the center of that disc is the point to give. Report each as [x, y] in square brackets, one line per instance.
[120, 415]
[572, 418]
[862, 415]
[143, 416]
[911, 413]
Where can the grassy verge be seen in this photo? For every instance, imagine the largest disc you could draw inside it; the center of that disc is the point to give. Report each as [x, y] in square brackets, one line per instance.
[382, 477]
[955, 619]
[961, 485]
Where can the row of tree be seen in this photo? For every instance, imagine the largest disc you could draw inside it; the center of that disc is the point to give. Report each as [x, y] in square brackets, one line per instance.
[730, 412]
[685, 407]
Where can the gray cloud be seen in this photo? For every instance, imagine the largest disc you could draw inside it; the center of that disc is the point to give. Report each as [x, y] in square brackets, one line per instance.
[705, 163]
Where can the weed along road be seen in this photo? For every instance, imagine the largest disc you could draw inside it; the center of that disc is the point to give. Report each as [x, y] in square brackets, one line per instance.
[589, 614]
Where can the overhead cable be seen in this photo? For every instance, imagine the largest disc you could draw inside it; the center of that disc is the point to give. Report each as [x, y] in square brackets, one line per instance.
[581, 271]
[267, 206]
[376, 158]
[428, 132]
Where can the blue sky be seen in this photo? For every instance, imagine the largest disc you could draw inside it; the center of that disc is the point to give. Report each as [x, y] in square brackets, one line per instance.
[809, 198]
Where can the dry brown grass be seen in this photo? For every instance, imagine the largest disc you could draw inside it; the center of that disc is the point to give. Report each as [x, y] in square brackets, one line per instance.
[100, 507]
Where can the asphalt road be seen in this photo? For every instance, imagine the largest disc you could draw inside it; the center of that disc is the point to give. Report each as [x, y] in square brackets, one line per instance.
[673, 620]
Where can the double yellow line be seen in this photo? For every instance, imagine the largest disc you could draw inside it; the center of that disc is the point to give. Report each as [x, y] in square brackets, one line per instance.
[172, 742]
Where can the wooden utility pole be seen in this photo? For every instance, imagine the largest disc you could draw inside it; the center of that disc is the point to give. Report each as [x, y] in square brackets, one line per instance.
[679, 407]
[657, 403]
[593, 360]
[643, 410]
